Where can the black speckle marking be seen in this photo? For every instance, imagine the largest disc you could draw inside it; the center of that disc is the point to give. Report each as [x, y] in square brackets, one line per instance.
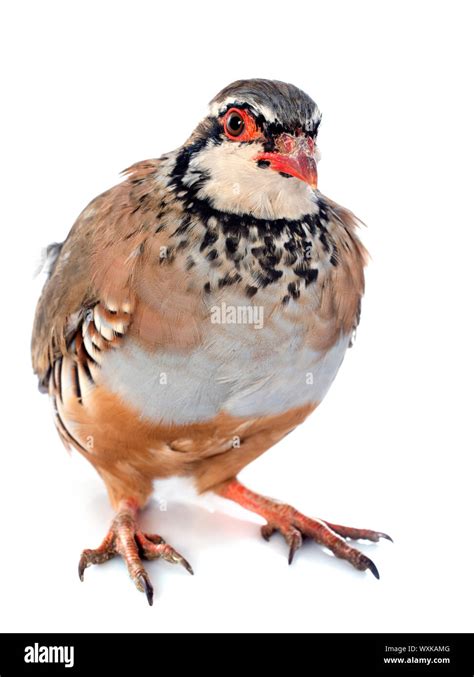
[309, 275]
[190, 263]
[294, 290]
[183, 227]
[182, 245]
[334, 260]
[263, 163]
[285, 175]
[251, 291]
[209, 238]
[207, 288]
[290, 259]
[285, 300]
[229, 279]
[268, 256]
[258, 251]
[269, 242]
[212, 255]
[232, 244]
[268, 276]
[324, 240]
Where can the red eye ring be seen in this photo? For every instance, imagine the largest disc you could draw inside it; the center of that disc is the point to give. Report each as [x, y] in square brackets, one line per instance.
[247, 130]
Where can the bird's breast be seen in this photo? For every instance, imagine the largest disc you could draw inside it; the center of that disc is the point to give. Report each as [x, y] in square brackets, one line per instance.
[242, 366]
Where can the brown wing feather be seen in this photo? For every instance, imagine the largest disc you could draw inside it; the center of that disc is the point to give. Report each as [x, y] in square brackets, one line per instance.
[93, 265]
[347, 283]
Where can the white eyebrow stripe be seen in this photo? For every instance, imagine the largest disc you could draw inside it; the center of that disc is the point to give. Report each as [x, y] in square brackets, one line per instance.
[217, 108]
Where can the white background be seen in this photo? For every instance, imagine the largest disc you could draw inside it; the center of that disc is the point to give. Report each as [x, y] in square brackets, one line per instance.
[87, 89]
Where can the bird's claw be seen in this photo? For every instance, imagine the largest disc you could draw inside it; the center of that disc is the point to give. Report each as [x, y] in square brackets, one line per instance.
[144, 585]
[371, 567]
[295, 527]
[296, 541]
[291, 534]
[170, 555]
[126, 540]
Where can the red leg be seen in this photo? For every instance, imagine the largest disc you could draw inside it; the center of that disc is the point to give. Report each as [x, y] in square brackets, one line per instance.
[294, 526]
[125, 539]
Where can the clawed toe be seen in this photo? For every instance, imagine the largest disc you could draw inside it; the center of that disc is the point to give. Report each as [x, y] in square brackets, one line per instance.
[153, 547]
[295, 541]
[370, 566]
[98, 556]
[358, 534]
[144, 585]
[295, 527]
[132, 545]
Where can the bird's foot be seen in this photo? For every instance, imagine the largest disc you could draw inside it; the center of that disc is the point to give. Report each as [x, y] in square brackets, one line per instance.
[124, 538]
[294, 526]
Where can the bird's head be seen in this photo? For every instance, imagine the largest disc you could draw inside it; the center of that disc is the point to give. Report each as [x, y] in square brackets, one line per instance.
[255, 153]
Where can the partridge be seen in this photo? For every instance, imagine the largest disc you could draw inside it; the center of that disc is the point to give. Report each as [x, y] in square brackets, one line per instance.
[198, 312]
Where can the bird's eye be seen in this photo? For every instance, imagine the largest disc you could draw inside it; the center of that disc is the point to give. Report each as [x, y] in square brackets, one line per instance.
[234, 124]
[240, 125]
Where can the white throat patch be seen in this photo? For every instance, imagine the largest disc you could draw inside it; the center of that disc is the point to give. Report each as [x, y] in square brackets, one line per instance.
[237, 184]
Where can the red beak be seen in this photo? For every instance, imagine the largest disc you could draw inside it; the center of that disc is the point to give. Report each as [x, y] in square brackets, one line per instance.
[294, 156]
